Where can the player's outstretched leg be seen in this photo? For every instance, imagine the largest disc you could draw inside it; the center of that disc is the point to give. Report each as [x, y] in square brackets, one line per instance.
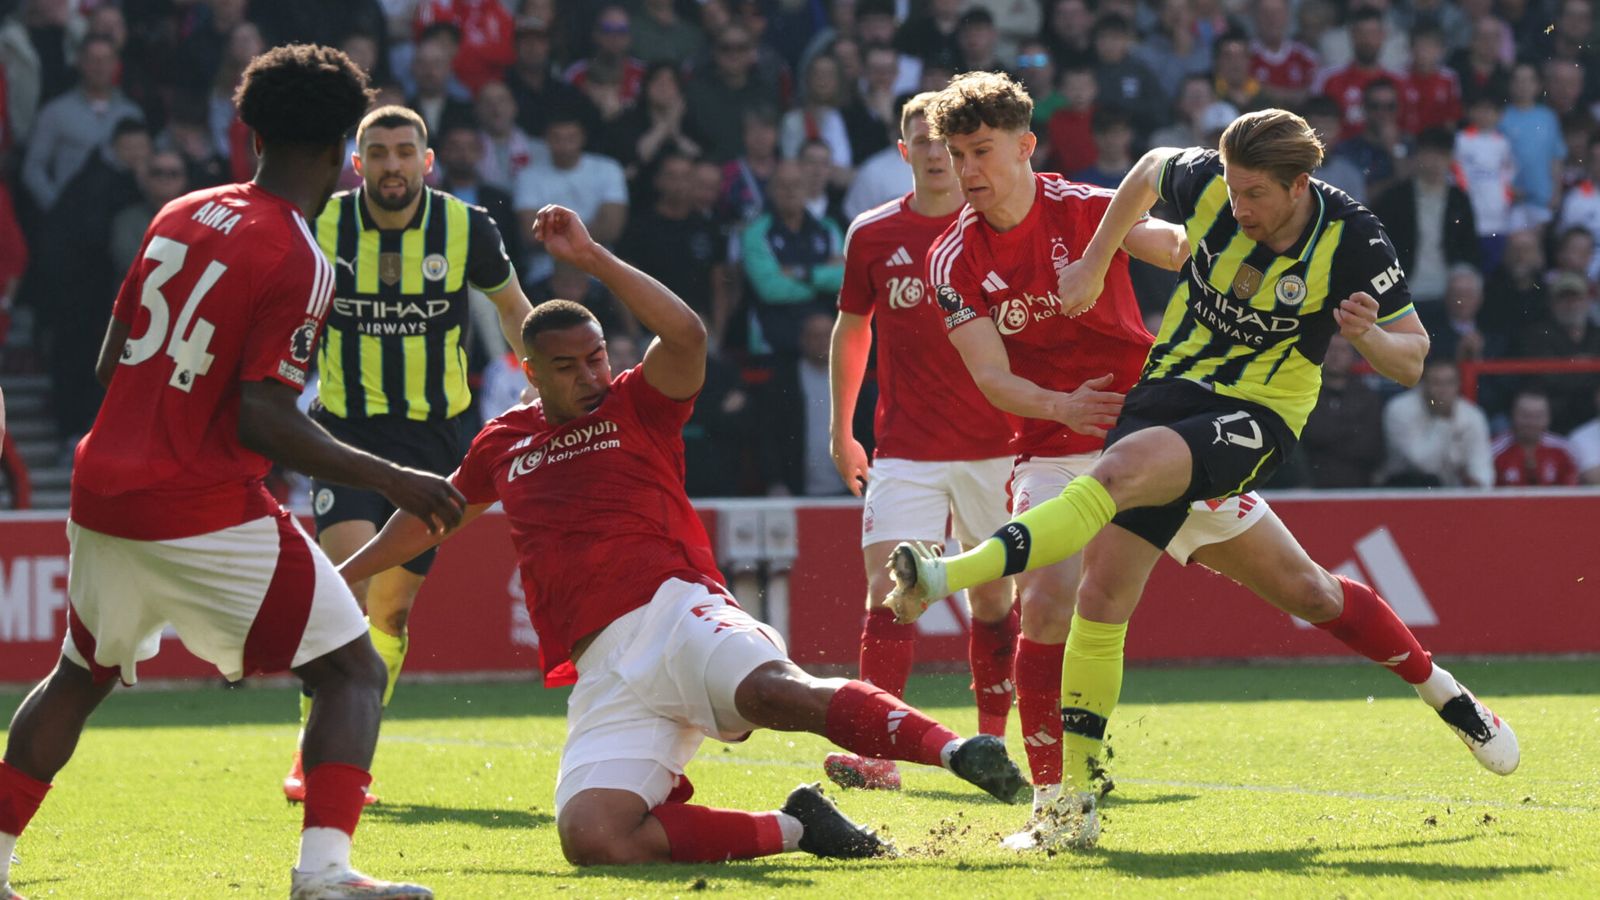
[887, 651]
[340, 737]
[44, 733]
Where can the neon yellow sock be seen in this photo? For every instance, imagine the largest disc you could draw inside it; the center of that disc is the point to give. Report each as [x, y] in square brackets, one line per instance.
[305, 709]
[392, 650]
[1091, 683]
[1045, 534]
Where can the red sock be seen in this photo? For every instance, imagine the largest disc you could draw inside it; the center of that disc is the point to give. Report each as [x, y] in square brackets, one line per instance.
[870, 721]
[992, 651]
[1369, 627]
[334, 796]
[703, 834]
[887, 649]
[1039, 707]
[20, 796]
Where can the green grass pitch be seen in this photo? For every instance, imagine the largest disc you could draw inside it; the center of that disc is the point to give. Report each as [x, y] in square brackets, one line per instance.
[1319, 781]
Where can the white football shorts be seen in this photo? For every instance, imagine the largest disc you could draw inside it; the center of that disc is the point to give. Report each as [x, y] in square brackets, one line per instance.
[254, 598]
[1034, 481]
[656, 683]
[912, 500]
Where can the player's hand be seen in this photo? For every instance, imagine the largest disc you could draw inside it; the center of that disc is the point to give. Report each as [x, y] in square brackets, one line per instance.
[565, 236]
[1079, 286]
[1356, 316]
[430, 498]
[850, 458]
[1091, 409]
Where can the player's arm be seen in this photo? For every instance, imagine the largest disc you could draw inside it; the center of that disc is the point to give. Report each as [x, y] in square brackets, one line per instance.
[1162, 244]
[1081, 281]
[117, 332]
[490, 270]
[675, 362]
[272, 425]
[403, 537]
[1087, 410]
[513, 306]
[1395, 349]
[847, 369]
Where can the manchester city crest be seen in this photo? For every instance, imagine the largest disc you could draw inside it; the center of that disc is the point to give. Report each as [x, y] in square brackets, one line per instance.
[434, 266]
[1291, 290]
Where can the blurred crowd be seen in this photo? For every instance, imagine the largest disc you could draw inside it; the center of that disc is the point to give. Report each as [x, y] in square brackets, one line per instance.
[725, 145]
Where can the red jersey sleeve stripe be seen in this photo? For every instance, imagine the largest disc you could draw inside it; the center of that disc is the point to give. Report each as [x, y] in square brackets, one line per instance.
[322, 284]
[881, 211]
[945, 256]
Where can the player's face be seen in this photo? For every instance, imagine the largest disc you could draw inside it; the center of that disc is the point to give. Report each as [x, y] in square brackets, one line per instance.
[991, 164]
[570, 369]
[392, 163]
[929, 159]
[1262, 206]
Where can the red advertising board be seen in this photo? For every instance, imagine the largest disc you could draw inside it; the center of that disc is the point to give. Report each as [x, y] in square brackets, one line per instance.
[1475, 573]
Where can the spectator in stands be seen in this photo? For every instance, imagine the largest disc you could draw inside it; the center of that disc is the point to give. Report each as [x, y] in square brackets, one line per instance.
[1347, 82]
[363, 50]
[1124, 82]
[460, 161]
[1113, 147]
[661, 35]
[539, 94]
[488, 40]
[1069, 30]
[883, 177]
[1430, 95]
[792, 260]
[507, 149]
[824, 198]
[794, 412]
[228, 131]
[433, 100]
[1564, 87]
[1071, 137]
[1173, 50]
[1488, 171]
[1454, 25]
[1342, 441]
[1514, 294]
[1577, 127]
[653, 125]
[720, 433]
[1454, 325]
[978, 43]
[1380, 149]
[818, 116]
[680, 245]
[1386, 45]
[1581, 206]
[1429, 219]
[1284, 67]
[1230, 72]
[1537, 150]
[744, 180]
[1575, 248]
[71, 127]
[591, 185]
[13, 256]
[1434, 436]
[1585, 445]
[875, 26]
[1529, 455]
[207, 30]
[932, 35]
[162, 179]
[1037, 72]
[869, 113]
[1568, 331]
[720, 95]
[1480, 65]
[1570, 38]
[1184, 128]
[612, 77]
[188, 134]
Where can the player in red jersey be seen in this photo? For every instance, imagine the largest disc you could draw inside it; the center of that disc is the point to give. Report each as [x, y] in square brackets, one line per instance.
[623, 590]
[204, 358]
[994, 275]
[942, 451]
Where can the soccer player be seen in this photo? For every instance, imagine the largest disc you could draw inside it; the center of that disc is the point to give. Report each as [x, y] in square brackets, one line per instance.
[922, 475]
[622, 589]
[393, 363]
[1280, 263]
[994, 274]
[207, 350]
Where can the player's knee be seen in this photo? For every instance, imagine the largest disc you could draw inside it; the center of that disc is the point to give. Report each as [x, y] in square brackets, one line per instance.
[769, 692]
[1046, 612]
[1098, 600]
[586, 842]
[878, 586]
[1314, 596]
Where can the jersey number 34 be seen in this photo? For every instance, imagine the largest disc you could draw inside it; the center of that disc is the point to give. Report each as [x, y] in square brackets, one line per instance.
[191, 336]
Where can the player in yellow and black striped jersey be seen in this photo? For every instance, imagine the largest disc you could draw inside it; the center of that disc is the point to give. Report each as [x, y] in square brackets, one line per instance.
[392, 365]
[1279, 263]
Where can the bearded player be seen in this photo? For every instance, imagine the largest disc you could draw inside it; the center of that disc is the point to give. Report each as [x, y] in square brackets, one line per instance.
[206, 353]
[622, 589]
[1281, 262]
[924, 473]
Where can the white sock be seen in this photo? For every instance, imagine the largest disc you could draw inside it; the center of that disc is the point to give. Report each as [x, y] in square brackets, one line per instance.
[323, 848]
[1043, 794]
[8, 844]
[792, 830]
[1440, 688]
[947, 751]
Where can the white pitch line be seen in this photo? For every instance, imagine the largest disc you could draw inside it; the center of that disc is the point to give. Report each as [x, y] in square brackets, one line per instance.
[730, 759]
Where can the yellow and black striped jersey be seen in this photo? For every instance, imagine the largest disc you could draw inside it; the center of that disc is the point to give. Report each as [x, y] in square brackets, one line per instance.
[394, 343]
[1249, 322]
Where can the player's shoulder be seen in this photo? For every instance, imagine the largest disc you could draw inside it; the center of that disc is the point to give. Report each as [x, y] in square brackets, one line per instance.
[1062, 191]
[1361, 225]
[238, 221]
[875, 222]
[512, 426]
[949, 248]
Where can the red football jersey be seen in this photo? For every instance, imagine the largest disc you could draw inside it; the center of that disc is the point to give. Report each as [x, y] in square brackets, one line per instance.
[1552, 463]
[928, 406]
[1293, 66]
[1345, 85]
[596, 508]
[229, 287]
[1430, 100]
[1011, 276]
